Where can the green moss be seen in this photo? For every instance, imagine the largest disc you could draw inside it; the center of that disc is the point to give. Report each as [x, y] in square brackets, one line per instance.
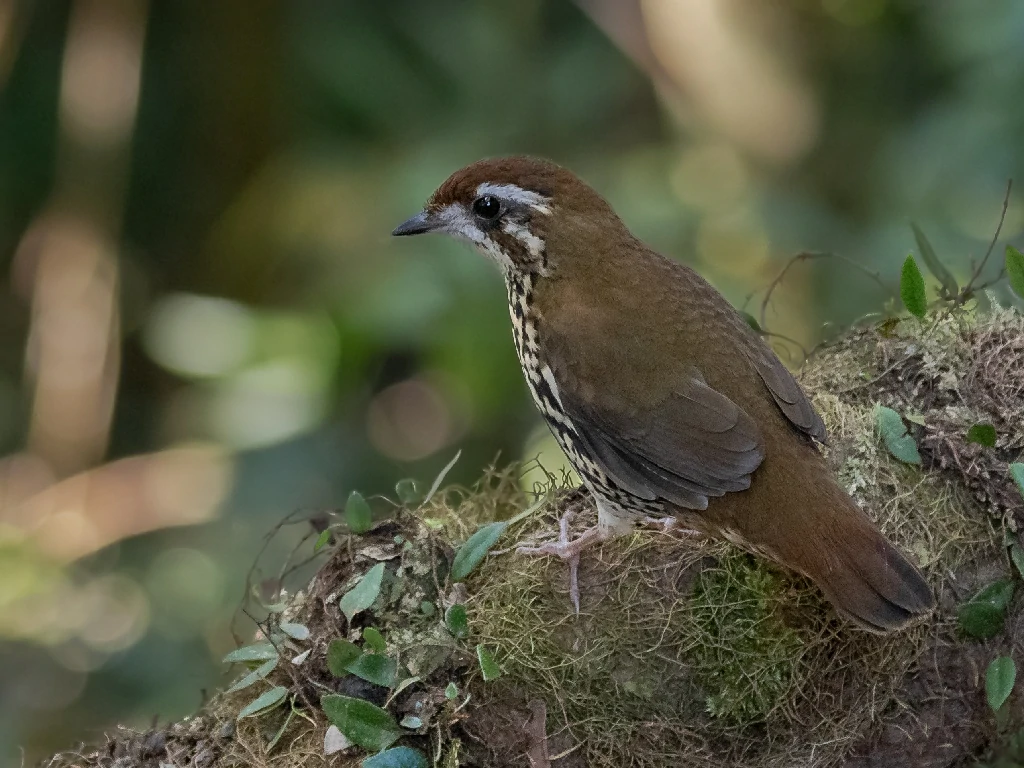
[743, 652]
[686, 651]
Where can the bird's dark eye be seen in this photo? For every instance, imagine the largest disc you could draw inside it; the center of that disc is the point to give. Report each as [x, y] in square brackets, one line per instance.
[487, 207]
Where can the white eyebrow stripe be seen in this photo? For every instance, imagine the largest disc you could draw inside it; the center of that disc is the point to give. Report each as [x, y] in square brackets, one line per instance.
[516, 194]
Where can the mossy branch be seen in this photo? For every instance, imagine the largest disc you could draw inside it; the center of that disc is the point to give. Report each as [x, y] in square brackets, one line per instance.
[686, 652]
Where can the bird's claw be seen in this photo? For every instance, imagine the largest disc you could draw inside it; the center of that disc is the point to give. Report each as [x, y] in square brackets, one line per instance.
[569, 550]
[668, 524]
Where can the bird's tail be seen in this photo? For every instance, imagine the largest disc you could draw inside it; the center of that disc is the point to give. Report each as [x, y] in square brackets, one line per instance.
[829, 539]
[861, 573]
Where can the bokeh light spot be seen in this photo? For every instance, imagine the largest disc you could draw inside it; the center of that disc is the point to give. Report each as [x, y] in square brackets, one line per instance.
[268, 403]
[409, 420]
[710, 177]
[199, 335]
[27, 579]
[735, 245]
[116, 613]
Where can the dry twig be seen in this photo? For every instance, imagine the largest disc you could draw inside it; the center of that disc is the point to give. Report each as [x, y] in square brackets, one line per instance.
[970, 289]
[808, 256]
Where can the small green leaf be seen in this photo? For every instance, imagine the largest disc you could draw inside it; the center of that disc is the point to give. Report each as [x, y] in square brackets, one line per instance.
[263, 702]
[255, 652]
[1017, 555]
[999, 593]
[982, 434]
[341, 653]
[488, 666]
[375, 668]
[407, 491]
[915, 418]
[411, 722]
[1017, 473]
[894, 434]
[475, 550]
[374, 640]
[984, 615]
[322, 540]
[295, 631]
[1015, 270]
[935, 266]
[362, 595]
[750, 320]
[912, 288]
[363, 723]
[999, 680]
[257, 674]
[280, 731]
[980, 620]
[397, 757]
[440, 478]
[427, 608]
[457, 622]
[451, 691]
[357, 513]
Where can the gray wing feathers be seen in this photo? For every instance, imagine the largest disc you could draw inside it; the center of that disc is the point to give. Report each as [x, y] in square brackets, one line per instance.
[697, 444]
[788, 394]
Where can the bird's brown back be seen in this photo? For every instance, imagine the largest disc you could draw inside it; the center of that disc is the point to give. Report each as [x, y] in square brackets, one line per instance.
[628, 331]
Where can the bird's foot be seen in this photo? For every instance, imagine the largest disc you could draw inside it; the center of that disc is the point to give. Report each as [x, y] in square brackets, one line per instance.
[569, 550]
[669, 525]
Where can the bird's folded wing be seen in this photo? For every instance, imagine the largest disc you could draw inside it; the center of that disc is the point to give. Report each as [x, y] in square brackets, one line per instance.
[788, 394]
[694, 444]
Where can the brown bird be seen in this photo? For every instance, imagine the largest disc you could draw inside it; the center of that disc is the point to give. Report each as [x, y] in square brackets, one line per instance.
[666, 402]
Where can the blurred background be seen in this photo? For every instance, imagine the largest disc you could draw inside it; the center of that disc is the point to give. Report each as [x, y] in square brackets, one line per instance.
[204, 324]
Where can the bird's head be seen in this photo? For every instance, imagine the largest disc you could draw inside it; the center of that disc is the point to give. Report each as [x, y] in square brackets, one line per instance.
[528, 215]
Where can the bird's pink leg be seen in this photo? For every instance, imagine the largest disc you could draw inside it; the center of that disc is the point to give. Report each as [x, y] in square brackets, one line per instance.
[569, 550]
[608, 526]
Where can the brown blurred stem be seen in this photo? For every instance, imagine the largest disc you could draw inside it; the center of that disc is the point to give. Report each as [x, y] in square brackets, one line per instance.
[808, 256]
[970, 289]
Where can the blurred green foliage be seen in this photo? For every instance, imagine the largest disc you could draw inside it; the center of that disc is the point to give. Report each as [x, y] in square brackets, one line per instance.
[264, 310]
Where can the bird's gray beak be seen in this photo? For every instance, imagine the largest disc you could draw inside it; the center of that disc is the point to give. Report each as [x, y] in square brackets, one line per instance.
[417, 225]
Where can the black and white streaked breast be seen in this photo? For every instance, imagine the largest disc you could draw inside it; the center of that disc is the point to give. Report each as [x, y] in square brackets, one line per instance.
[540, 380]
